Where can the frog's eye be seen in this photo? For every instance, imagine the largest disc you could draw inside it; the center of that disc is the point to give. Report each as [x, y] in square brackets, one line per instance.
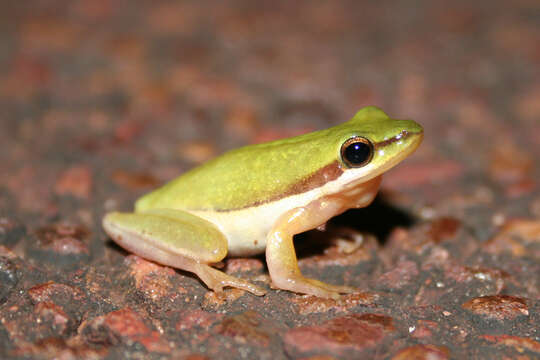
[356, 152]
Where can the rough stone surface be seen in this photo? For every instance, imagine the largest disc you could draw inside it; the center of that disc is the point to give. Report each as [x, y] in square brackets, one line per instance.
[346, 336]
[423, 352]
[124, 325]
[499, 307]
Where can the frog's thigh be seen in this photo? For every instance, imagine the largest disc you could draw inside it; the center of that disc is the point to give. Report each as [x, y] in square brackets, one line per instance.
[178, 239]
[280, 254]
[161, 235]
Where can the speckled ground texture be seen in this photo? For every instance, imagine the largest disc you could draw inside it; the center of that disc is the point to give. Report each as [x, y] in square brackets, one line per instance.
[101, 101]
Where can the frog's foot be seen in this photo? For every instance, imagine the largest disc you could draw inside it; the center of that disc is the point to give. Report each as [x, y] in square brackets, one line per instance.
[309, 286]
[216, 280]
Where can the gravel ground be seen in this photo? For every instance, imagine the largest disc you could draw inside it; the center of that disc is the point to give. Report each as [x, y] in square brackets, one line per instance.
[102, 101]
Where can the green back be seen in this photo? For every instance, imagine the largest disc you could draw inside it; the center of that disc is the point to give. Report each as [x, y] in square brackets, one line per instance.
[259, 173]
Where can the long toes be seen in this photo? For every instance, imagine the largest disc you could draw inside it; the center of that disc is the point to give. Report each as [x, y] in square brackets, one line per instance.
[217, 280]
[227, 280]
[247, 286]
[343, 289]
[325, 290]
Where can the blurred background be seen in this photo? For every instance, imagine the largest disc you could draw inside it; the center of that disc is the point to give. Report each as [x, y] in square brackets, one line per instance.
[159, 85]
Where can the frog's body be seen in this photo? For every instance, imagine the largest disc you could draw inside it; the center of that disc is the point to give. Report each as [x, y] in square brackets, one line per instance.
[257, 197]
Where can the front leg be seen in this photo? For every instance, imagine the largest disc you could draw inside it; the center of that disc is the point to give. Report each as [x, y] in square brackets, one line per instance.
[280, 254]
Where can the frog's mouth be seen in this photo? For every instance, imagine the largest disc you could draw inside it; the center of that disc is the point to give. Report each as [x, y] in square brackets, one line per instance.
[410, 142]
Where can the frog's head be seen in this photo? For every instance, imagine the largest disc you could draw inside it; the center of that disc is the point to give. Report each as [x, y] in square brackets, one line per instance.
[371, 143]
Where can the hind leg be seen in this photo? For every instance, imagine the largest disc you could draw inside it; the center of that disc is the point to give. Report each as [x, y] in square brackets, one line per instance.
[178, 239]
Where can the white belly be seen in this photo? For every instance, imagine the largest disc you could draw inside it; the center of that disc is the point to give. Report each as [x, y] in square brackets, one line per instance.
[246, 229]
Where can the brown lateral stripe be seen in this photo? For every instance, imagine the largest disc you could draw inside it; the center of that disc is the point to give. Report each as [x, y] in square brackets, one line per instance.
[326, 174]
[404, 134]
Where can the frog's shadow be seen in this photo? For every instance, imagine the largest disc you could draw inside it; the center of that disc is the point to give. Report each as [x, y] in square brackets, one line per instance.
[378, 219]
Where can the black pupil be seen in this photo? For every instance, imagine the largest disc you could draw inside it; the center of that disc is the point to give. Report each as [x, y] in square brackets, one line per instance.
[357, 153]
